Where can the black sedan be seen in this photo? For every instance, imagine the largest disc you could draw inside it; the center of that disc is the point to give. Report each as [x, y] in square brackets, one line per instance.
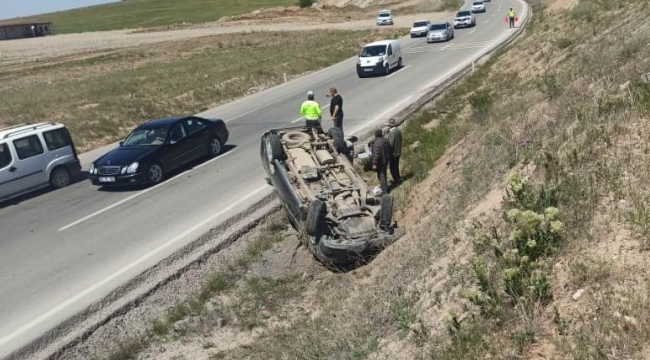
[158, 147]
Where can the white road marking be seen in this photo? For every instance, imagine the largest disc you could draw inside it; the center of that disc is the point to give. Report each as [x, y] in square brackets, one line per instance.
[303, 118]
[123, 270]
[101, 211]
[446, 46]
[256, 109]
[397, 72]
[378, 117]
[471, 32]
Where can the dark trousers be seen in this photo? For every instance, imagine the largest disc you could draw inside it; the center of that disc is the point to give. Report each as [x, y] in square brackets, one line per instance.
[312, 123]
[394, 169]
[338, 122]
[512, 22]
[381, 175]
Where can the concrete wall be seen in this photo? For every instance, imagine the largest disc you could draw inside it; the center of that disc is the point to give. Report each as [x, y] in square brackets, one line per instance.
[20, 31]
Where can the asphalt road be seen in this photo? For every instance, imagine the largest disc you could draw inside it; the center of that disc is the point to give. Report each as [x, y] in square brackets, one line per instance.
[62, 250]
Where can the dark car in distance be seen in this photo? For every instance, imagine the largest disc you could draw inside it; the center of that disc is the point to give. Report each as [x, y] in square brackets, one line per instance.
[158, 147]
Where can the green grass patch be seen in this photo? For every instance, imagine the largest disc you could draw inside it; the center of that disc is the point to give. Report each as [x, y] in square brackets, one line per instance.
[131, 14]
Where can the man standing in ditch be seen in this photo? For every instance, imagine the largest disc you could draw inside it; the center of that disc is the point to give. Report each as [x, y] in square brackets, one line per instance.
[395, 143]
[380, 159]
[336, 108]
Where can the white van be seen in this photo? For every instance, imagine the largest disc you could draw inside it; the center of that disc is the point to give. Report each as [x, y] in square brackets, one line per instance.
[36, 156]
[380, 57]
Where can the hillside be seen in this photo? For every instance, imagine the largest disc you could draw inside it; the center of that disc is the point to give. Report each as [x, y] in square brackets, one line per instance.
[131, 14]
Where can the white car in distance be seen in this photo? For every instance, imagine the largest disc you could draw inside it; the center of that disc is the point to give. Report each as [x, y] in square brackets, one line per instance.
[385, 17]
[420, 28]
[463, 19]
[478, 7]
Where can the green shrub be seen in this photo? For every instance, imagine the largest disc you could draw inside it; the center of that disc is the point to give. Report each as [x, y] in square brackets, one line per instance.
[305, 3]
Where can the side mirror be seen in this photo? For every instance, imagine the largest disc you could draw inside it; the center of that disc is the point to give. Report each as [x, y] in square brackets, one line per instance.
[122, 143]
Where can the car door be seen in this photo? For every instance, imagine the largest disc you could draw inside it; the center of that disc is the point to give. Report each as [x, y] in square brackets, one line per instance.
[178, 147]
[8, 183]
[30, 164]
[199, 134]
[450, 30]
[390, 58]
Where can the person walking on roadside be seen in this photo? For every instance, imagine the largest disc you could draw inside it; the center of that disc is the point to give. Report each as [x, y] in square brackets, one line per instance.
[336, 108]
[311, 110]
[511, 17]
[395, 143]
[380, 159]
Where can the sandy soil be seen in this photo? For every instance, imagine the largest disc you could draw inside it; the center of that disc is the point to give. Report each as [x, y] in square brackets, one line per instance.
[72, 45]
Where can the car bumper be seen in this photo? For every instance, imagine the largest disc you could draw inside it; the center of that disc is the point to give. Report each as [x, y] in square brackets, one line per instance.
[418, 34]
[462, 24]
[384, 23]
[119, 180]
[370, 70]
[436, 39]
[478, 10]
[74, 168]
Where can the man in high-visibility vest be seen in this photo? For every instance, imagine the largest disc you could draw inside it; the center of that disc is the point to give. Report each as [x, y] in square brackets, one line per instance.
[511, 17]
[311, 110]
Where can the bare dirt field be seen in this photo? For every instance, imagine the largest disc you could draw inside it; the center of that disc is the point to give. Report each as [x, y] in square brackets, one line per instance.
[39, 50]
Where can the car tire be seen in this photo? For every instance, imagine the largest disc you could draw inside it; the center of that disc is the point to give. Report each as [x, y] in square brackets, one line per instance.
[155, 174]
[386, 69]
[399, 63]
[214, 147]
[386, 212]
[274, 148]
[60, 177]
[315, 223]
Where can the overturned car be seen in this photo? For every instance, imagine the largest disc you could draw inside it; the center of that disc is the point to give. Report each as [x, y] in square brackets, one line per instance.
[340, 218]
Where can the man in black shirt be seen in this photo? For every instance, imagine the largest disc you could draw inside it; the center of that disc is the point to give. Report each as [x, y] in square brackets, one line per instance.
[336, 108]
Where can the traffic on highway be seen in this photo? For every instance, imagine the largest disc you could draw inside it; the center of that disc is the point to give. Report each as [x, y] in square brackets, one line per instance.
[117, 211]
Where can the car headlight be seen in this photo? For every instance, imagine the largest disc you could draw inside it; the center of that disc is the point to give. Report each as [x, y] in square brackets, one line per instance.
[131, 169]
[92, 169]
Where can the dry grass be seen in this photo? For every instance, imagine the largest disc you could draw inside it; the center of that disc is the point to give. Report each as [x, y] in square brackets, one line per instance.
[102, 98]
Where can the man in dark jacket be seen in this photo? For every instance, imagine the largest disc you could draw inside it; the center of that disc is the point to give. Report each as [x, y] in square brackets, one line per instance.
[380, 158]
[395, 142]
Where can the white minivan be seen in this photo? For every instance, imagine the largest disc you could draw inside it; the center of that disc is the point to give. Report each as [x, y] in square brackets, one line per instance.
[36, 156]
[380, 57]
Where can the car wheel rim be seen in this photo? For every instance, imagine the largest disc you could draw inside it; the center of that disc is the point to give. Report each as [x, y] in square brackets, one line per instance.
[155, 173]
[215, 146]
[60, 178]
